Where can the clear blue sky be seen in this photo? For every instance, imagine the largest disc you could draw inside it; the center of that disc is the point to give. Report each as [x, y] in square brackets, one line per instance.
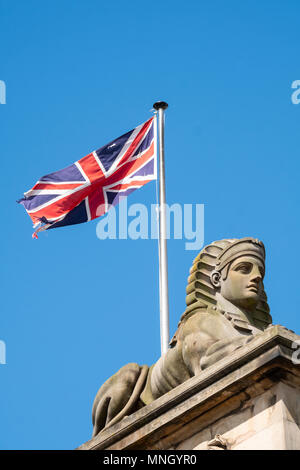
[80, 73]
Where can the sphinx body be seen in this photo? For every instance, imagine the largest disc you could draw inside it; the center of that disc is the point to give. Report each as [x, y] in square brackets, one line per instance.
[226, 308]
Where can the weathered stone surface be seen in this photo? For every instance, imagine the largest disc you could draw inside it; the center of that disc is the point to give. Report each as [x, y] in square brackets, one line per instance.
[266, 423]
[252, 393]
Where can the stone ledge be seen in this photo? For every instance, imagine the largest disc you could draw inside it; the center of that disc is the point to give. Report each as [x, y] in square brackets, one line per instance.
[246, 373]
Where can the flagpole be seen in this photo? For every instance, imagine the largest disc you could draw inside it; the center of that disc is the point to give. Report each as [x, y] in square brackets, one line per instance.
[160, 107]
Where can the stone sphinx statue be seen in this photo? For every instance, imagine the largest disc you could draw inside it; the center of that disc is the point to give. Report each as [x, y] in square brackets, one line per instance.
[226, 308]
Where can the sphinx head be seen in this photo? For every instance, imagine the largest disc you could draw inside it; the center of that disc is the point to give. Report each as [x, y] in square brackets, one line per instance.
[239, 273]
[230, 269]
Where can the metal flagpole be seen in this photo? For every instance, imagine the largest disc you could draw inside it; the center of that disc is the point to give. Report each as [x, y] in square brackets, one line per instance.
[160, 106]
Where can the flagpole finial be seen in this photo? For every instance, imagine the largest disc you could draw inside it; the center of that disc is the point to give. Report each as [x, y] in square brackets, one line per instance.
[160, 105]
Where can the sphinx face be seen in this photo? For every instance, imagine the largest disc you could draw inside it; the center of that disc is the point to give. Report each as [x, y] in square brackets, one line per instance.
[244, 282]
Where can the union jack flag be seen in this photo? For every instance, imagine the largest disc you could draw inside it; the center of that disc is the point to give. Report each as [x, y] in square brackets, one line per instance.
[87, 188]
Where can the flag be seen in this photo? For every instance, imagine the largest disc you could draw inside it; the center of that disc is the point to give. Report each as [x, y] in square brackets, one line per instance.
[87, 188]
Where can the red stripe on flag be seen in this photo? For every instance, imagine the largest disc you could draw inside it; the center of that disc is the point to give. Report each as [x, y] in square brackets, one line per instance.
[131, 167]
[62, 206]
[97, 203]
[123, 186]
[136, 141]
[91, 168]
